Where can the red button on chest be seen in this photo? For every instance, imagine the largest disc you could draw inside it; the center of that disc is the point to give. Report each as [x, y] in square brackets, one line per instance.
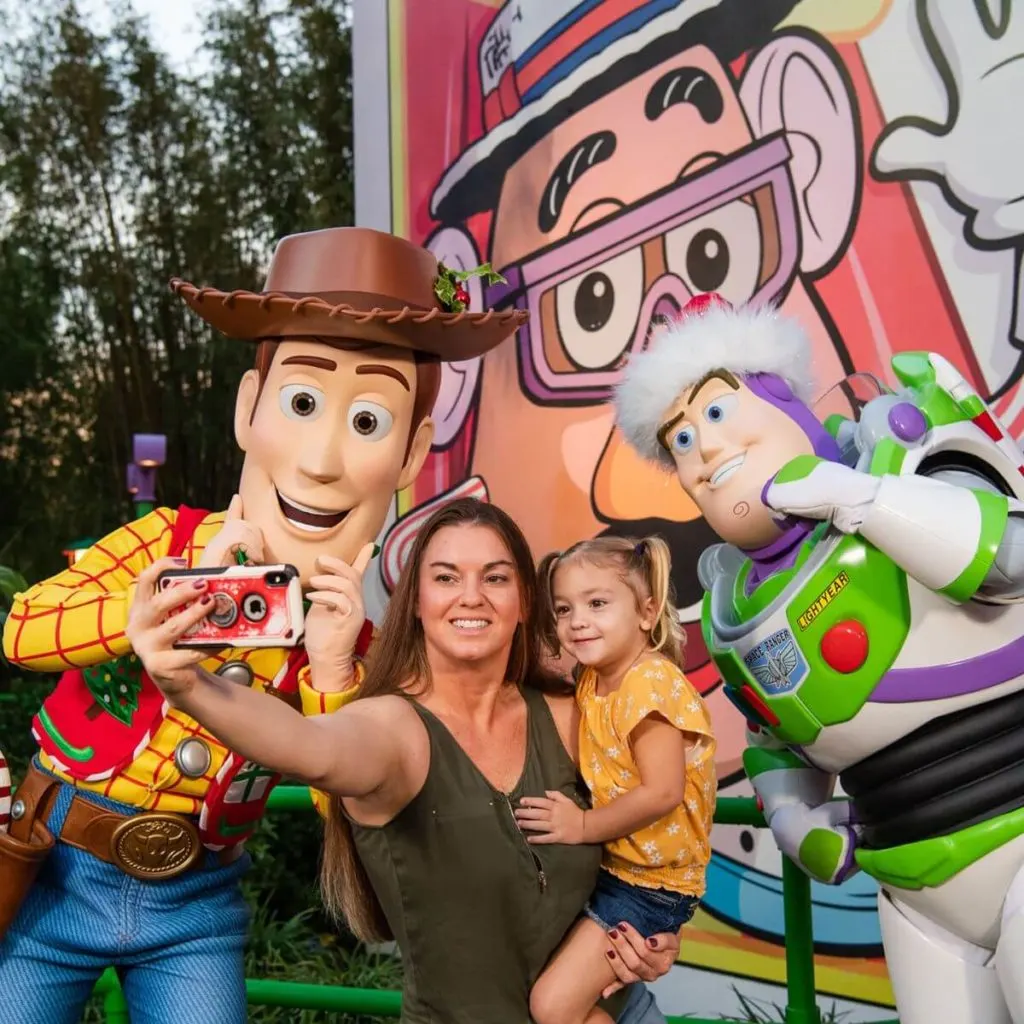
[845, 646]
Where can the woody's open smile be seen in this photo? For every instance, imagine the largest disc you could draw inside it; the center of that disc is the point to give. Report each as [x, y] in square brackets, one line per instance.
[305, 517]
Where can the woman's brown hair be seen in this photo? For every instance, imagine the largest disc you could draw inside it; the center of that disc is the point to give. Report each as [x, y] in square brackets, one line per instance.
[398, 664]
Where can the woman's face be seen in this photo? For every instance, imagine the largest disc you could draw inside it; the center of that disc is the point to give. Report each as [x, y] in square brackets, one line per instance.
[469, 600]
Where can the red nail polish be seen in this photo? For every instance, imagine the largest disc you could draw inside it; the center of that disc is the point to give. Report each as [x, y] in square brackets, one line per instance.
[653, 943]
[206, 599]
[610, 953]
[613, 934]
[199, 584]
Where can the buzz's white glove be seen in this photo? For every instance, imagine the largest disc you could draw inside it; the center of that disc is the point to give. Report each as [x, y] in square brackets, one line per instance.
[814, 488]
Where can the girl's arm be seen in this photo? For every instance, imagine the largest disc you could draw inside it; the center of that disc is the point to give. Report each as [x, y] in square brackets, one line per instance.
[352, 752]
[660, 753]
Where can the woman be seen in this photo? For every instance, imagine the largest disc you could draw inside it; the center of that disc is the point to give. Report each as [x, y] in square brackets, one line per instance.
[454, 724]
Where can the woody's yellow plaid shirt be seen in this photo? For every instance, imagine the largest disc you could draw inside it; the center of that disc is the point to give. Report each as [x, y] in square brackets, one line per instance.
[77, 618]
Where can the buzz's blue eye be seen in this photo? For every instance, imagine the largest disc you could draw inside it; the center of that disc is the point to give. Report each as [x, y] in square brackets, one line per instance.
[682, 440]
[719, 409]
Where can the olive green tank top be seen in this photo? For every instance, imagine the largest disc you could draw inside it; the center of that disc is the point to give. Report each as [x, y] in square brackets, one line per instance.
[477, 911]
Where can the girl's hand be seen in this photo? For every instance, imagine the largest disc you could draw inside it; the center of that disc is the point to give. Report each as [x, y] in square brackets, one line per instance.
[634, 958]
[556, 817]
[157, 620]
[234, 536]
[336, 618]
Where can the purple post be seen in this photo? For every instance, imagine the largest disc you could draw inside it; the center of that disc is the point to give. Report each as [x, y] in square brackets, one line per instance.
[149, 451]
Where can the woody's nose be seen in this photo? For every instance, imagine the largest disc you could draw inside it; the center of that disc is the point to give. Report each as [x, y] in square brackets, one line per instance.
[628, 488]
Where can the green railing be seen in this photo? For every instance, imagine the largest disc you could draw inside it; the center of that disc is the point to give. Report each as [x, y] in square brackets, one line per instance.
[801, 1006]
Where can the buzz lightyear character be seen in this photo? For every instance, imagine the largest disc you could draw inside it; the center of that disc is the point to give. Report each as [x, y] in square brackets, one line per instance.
[865, 613]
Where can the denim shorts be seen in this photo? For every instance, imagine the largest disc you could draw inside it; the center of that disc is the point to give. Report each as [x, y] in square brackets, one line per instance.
[649, 911]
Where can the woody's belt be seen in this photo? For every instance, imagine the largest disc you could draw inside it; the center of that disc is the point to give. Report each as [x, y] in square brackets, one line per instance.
[148, 845]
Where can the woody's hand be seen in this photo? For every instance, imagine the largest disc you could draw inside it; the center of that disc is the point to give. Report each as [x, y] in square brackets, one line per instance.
[236, 535]
[334, 621]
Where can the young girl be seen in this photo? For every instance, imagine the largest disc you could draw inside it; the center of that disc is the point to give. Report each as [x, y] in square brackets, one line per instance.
[646, 752]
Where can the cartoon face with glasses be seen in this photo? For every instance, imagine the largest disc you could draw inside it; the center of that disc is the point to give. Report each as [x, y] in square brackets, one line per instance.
[730, 229]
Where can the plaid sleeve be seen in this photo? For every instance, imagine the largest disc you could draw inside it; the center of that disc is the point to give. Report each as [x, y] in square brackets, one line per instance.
[317, 702]
[77, 618]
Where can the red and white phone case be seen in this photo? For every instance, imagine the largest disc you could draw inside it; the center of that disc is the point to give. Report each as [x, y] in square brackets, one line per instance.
[254, 606]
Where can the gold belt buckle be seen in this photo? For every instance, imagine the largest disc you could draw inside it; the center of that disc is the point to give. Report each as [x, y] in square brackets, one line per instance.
[155, 846]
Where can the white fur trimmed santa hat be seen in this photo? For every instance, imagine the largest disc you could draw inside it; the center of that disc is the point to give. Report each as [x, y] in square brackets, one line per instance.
[710, 334]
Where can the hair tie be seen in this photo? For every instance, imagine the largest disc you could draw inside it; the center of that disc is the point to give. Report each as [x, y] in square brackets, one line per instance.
[639, 550]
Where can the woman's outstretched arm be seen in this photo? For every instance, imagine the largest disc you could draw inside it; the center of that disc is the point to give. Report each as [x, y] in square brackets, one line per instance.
[352, 752]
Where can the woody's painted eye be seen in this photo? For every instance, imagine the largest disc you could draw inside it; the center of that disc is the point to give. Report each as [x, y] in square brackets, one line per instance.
[301, 401]
[369, 421]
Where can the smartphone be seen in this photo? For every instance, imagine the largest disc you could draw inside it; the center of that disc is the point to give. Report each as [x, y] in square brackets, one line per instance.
[253, 606]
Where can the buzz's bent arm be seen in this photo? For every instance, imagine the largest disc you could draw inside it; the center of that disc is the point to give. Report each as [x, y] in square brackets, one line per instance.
[953, 532]
[809, 826]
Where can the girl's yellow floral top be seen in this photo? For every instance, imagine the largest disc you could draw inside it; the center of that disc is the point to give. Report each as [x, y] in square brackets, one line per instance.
[673, 852]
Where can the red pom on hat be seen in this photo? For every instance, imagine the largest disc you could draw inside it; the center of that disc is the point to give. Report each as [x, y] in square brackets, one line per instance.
[702, 303]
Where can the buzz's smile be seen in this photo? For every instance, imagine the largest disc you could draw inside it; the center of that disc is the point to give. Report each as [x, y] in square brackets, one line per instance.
[312, 520]
[726, 470]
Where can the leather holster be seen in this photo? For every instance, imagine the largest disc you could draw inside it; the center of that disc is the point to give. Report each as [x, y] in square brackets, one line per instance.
[28, 843]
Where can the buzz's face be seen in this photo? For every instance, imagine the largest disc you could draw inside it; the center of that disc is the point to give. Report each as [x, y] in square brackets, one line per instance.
[727, 443]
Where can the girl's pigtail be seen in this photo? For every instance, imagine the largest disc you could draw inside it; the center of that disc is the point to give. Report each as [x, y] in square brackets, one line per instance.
[667, 634]
[546, 602]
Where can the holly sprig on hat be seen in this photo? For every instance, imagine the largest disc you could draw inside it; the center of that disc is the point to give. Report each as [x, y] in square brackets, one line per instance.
[450, 286]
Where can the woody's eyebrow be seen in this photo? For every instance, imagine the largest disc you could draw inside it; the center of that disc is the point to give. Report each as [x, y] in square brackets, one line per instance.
[385, 371]
[317, 362]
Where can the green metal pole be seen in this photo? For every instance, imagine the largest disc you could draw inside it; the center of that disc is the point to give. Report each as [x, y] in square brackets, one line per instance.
[738, 810]
[369, 1001]
[802, 1007]
[143, 508]
[290, 798]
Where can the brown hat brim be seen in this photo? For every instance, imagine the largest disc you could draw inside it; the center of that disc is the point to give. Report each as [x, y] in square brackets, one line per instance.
[262, 316]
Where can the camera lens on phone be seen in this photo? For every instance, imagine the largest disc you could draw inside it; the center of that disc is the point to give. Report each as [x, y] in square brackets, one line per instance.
[225, 611]
[254, 607]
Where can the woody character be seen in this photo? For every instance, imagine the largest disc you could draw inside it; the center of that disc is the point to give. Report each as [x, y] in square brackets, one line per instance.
[132, 817]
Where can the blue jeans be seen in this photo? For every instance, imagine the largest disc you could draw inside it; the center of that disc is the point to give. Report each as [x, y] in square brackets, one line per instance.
[649, 911]
[177, 945]
[640, 1008]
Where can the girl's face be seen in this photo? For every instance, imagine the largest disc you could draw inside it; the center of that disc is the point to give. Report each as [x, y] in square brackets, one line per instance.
[469, 601]
[596, 614]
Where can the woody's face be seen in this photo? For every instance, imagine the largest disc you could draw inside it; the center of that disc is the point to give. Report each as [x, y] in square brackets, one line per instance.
[325, 442]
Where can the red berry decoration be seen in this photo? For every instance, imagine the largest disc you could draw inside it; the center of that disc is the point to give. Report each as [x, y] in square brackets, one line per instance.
[462, 296]
[702, 303]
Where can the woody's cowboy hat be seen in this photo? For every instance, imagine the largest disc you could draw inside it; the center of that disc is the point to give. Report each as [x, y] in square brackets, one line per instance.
[539, 63]
[357, 284]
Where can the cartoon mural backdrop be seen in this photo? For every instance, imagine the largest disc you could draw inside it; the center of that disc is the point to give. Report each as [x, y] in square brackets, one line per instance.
[859, 163]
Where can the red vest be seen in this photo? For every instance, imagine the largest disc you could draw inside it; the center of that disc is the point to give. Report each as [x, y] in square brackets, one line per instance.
[90, 744]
